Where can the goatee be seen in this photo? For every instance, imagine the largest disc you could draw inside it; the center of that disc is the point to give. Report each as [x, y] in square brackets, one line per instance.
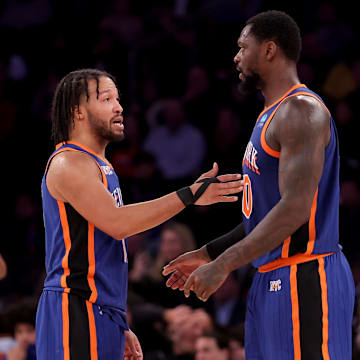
[250, 84]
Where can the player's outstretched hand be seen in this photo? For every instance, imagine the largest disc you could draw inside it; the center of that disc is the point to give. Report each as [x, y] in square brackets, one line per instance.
[205, 280]
[181, 267]
[132, 349]
[218, 192]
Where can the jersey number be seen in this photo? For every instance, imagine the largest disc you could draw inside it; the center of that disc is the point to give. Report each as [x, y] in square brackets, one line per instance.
[247, 200]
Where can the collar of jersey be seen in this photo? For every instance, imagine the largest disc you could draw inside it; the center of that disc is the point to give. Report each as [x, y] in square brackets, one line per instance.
[281, 98]
[84, 148]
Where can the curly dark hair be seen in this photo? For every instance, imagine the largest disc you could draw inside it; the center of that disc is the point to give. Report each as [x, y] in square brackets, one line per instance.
[279, 27]
[67, 97]
[22, 311]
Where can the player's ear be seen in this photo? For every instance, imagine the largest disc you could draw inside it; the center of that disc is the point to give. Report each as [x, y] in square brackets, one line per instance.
[270, 50]
[78, 114]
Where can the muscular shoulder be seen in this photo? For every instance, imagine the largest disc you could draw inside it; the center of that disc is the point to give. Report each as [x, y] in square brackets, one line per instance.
[70, 169]
[301, 118]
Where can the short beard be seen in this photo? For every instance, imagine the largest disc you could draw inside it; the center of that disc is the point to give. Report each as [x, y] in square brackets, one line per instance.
[102, 132]
[250, 84]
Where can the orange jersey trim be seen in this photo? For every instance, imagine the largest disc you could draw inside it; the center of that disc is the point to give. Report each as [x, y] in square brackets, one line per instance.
[84, 148]
[295, 312]
[312, 225]
[92, 330]
[66, 333]
[91, 259]
[67, 242]
[103, 176]
[266, 108]
[51, 157]
[285, 248]
[312, 232]
[290, 261]
[325, 310]
[264, 144]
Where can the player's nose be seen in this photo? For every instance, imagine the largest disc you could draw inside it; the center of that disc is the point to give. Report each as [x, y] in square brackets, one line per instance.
[118, 108]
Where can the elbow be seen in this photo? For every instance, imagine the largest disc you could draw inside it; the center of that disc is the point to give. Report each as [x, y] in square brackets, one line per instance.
[119, 236]
[117, 228]
[302, 216]
[124, 232]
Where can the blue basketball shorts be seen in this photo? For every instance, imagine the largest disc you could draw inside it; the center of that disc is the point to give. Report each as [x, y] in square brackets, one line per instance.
[71, 328]
[301, 312]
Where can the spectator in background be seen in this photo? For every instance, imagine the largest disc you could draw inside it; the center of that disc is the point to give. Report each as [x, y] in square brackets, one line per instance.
[26, 251]
[135, 167]
[237, 342]
[21, 317]
[175, 237]
[178, 147]
[6, 340]
[228, 137]
[199, 100]
[228, 304]
[145, 275]
[184, 332]
[212, 346]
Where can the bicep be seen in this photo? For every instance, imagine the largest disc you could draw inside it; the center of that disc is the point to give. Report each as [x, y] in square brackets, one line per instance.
[301, 135]
[77, 182]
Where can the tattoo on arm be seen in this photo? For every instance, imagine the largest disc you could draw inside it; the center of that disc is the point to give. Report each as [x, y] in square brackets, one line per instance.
[302, 130]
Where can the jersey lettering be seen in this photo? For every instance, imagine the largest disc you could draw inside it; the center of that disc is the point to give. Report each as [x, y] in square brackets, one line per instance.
[247, 200]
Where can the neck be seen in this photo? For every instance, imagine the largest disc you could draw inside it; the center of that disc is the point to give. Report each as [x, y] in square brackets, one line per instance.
[91, 142]
[278, 82]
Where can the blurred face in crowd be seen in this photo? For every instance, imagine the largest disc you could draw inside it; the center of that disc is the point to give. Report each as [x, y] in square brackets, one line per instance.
[247, 61]
[184, 332]
[171, 245]
[103, 112]
[174, 114]
[24, 334]
[237, 351]
[206, 348]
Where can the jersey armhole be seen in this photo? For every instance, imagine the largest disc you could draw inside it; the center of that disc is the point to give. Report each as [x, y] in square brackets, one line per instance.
[103, 176]
[266, 147]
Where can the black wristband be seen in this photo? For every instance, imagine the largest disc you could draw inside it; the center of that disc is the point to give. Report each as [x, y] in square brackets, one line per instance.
[220, 244]
[186, 196]
[205, 183]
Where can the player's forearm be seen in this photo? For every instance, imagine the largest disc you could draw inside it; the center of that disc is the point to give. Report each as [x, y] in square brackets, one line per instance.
[135, 218]
[280, 223]
[217, 246]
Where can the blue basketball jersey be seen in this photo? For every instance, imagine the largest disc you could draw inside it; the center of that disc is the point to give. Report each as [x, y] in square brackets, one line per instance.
[81, 259]
[261, 190]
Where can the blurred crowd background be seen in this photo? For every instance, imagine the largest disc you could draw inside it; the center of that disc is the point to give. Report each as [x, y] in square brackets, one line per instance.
[173, 60]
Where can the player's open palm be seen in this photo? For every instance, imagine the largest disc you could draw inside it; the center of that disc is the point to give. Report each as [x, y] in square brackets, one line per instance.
[181, 267]
[219, 190]
[132, 349]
